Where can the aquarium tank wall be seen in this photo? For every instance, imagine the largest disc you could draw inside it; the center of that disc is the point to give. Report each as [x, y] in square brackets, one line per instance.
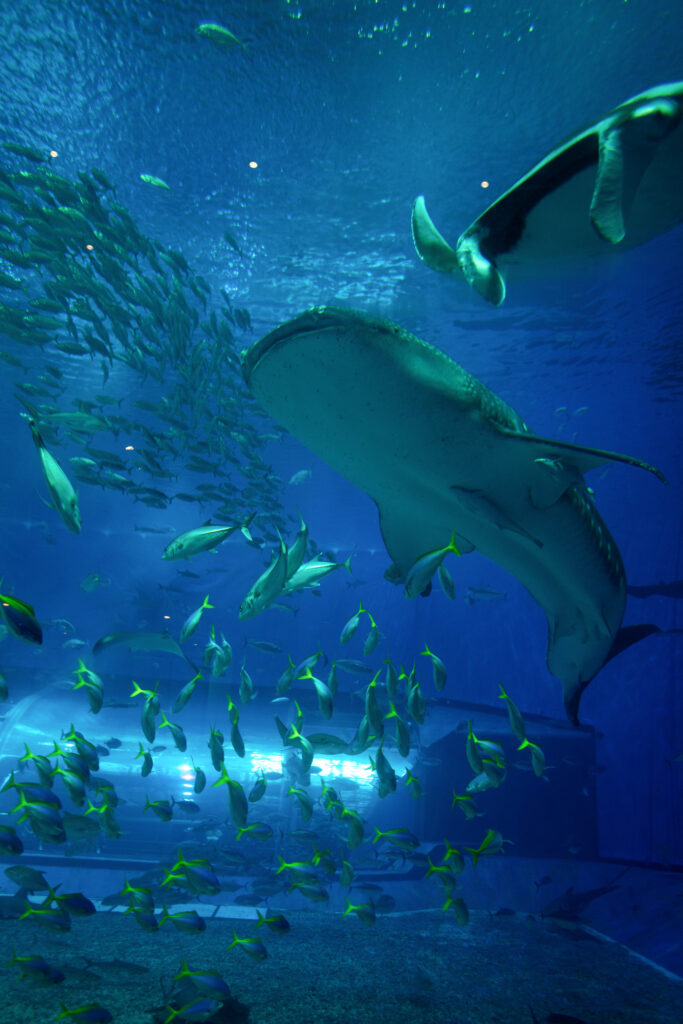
[340, 484]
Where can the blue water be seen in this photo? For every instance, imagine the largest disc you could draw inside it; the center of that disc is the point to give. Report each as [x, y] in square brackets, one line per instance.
[347, 112]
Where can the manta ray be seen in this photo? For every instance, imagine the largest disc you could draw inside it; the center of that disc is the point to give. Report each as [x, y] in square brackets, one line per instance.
[613, 185]
[442, 456]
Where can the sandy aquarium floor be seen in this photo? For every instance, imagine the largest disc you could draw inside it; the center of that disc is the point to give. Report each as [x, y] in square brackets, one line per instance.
[418, 968]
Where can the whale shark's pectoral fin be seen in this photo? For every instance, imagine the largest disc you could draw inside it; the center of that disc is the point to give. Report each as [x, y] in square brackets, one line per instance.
[558, 465]
[431, 246]
[406, 539]
[626, 150]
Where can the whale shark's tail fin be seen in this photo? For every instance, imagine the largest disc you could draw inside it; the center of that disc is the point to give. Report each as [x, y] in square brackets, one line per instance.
[629, 635]
[626, 636]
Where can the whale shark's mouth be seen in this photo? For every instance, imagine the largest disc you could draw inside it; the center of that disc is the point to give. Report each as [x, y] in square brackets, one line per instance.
[314, 320]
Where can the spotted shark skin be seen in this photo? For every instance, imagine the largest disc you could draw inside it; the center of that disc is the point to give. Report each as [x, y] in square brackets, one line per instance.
[441, 454]
[613, 185]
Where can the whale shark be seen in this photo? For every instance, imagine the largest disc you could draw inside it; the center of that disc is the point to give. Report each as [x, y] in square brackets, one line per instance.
[612, 185]
[673, 589]
[443, 457]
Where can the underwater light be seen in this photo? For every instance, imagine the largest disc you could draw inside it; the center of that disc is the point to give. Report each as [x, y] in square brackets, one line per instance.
[484, 184]
[331, 768]
[336, 768]
[253, 164]
[53, 153]
[266, 762]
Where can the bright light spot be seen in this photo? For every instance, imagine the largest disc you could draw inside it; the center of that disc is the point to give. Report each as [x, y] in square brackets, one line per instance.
[253, 164]
[129, 448]
[329, 768]
[484, 184]
[185, 768]
[90, 247]
[266, 762]
[53, 153]
[335, 768]
[167, 616]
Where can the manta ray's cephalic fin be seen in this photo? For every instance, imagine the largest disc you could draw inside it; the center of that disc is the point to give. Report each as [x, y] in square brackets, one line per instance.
[433, 249]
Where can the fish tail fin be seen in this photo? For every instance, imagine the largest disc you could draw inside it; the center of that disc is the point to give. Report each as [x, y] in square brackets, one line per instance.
[452, 546]
[35, 434]
[476, 854]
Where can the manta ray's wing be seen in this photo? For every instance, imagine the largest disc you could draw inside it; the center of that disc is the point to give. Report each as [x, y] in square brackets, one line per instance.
[615, 183]
[628, 144]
